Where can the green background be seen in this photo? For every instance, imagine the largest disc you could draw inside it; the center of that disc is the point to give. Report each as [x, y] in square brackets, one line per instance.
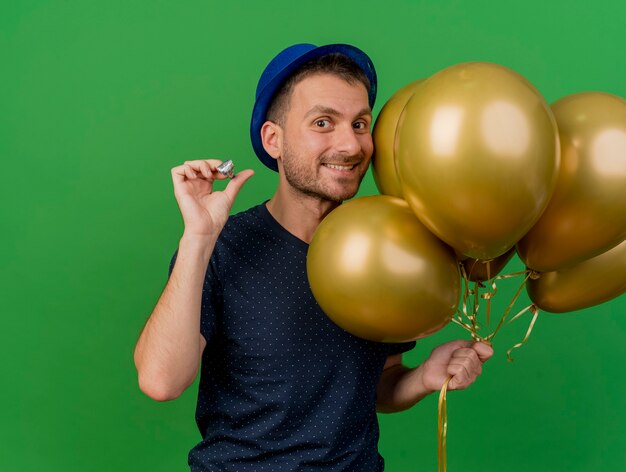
[99, 100]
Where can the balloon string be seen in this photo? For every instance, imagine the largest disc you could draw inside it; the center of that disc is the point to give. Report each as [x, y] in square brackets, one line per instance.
[467, 293]
[475, 293]
[515, 297]
[535, 311]
[463, 325]
[471, 325]
[463, 311]
[476, 298]
[442, 426]
[490, 294]
[469, 321]
[477, 285]
[494, 288]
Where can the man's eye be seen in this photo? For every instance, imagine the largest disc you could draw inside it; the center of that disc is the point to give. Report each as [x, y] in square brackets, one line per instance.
[360, 125]
[322, 123]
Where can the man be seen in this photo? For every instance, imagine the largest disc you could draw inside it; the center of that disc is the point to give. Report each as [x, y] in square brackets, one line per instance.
[281, 386]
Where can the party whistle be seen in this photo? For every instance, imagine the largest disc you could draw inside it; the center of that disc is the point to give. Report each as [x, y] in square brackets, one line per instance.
[227, 168]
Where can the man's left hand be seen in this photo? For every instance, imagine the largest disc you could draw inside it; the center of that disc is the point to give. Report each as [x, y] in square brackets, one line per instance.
[463, 360]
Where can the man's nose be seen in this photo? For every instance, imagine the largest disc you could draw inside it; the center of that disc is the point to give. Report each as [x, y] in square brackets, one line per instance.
[346, 141]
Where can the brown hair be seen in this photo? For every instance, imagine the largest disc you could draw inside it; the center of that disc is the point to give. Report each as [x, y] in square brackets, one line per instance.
[336, 64]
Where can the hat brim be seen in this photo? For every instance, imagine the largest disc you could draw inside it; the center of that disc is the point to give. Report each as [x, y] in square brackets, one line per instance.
[266, 95]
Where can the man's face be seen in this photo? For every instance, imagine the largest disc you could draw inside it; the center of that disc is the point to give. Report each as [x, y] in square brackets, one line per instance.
[327, 144]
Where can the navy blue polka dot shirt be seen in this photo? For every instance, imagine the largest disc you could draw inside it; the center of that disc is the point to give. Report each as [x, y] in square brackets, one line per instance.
[282, 388]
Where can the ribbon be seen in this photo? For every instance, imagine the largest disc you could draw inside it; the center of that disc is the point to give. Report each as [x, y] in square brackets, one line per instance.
[442, 426]
[467, 318]
[535, 311]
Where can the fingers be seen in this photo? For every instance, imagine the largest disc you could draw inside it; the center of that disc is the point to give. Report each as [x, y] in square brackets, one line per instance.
[203, 168]
[233, 187]
[206, 170]
[465, 366]
[444, 352]
[461, 359]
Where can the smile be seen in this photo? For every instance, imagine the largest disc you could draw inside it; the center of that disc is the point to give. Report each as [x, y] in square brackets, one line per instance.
[340, 167]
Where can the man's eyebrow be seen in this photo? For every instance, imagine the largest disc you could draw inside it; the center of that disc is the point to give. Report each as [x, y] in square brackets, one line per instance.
[332, 112]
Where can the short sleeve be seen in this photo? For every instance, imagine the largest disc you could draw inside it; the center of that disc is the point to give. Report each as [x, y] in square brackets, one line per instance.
[399, 348]
[211, 305]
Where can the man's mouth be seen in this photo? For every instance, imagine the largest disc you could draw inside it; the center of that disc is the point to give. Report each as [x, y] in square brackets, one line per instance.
[341, 166]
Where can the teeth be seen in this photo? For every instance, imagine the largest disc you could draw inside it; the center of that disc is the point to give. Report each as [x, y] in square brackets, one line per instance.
[335, 166]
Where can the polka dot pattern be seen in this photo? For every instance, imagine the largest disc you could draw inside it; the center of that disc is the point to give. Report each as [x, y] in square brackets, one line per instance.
[282, 388]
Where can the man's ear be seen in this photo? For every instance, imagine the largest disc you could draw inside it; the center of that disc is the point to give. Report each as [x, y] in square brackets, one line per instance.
[272, 139]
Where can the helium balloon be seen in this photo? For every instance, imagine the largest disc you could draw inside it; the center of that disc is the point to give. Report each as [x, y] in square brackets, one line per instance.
[587, 213]
[477, 157]
[585, 284]
[384, 135]
[480, 271]
[378, 273]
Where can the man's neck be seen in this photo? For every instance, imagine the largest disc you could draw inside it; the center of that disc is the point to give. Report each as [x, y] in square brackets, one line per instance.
[299, 214]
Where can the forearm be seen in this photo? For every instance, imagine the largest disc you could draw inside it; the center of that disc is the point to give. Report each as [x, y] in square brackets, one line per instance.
[400, 388]
[167, 354]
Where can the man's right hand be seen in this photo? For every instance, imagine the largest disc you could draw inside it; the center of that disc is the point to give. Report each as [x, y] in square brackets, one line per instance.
[169, 349]
[205, 212]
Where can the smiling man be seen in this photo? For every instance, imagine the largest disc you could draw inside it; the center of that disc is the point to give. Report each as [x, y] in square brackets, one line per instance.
[281, 387]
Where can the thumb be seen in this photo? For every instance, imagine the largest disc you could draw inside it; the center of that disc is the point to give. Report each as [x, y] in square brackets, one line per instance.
[233, 187]
[484, 350]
